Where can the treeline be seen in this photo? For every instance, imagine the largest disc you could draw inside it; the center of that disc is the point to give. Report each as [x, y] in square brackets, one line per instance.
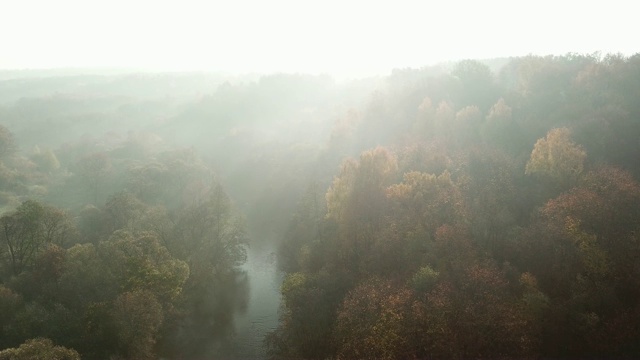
[488, 215]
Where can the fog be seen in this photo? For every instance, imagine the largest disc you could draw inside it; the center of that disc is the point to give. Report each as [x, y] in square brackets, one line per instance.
[253, 180]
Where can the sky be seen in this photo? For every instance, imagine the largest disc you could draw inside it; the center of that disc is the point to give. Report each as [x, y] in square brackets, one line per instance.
[331, 36]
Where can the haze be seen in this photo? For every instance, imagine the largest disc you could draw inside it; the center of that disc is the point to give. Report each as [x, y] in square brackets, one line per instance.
[319, 180]
[339, 37]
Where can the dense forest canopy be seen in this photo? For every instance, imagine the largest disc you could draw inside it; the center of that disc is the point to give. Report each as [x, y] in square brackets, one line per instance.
[477, 209]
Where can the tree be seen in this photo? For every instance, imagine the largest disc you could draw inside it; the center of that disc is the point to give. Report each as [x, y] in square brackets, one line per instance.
[500, 129]
[582, 246]
[419, 205]
[356, 202]
[10, 304]
[123, 210]
[32, 226]
[93, 168]
[149, 181]
[138, 316]
[466, 125]
[310, 302]
[39, 349]
[304, 231]
[476, 84]
[424, 124]
[209, 236]
[473, 315]
[557, 157]
[140, 262]
[375, 321]
[444, 119]
[45, 160]
[7, 143]
[488, 184]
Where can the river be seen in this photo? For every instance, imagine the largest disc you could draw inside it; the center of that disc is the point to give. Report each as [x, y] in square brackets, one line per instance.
[261, 315]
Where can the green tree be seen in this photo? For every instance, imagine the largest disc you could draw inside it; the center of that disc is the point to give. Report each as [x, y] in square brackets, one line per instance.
[209, 235]
[140, 262]
[26, 231]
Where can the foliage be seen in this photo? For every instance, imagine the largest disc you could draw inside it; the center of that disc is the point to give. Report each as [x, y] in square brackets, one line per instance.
[29, 229]
[7, 143]
[557, 157]
[39, 349]
[374, 322]
[92, 168]
[450, 212]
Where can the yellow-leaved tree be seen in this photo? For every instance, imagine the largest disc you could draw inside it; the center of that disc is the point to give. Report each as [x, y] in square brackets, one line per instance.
[557, 157]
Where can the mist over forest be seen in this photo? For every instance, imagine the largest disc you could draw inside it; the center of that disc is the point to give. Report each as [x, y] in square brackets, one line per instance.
[467, 210]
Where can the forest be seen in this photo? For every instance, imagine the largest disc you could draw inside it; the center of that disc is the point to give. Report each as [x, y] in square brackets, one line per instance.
[479, 209]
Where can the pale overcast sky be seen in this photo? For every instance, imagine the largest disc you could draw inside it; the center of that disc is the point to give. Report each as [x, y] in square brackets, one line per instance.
[313, 36]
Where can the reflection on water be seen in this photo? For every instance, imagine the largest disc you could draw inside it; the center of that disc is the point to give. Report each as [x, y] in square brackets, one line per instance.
[242, 331]
[230, 317]
[261, 315]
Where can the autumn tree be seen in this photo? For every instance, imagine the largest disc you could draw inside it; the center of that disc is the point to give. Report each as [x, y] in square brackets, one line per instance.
[557, 157]
[419, 205]
[356, 202]
[474, 315]
[375, 320]
[581, 247]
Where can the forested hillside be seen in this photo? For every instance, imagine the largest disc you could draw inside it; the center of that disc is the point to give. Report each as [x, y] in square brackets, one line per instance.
[479, 209]
[488, 215]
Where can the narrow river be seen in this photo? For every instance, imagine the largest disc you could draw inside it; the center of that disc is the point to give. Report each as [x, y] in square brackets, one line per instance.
[261, 314]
